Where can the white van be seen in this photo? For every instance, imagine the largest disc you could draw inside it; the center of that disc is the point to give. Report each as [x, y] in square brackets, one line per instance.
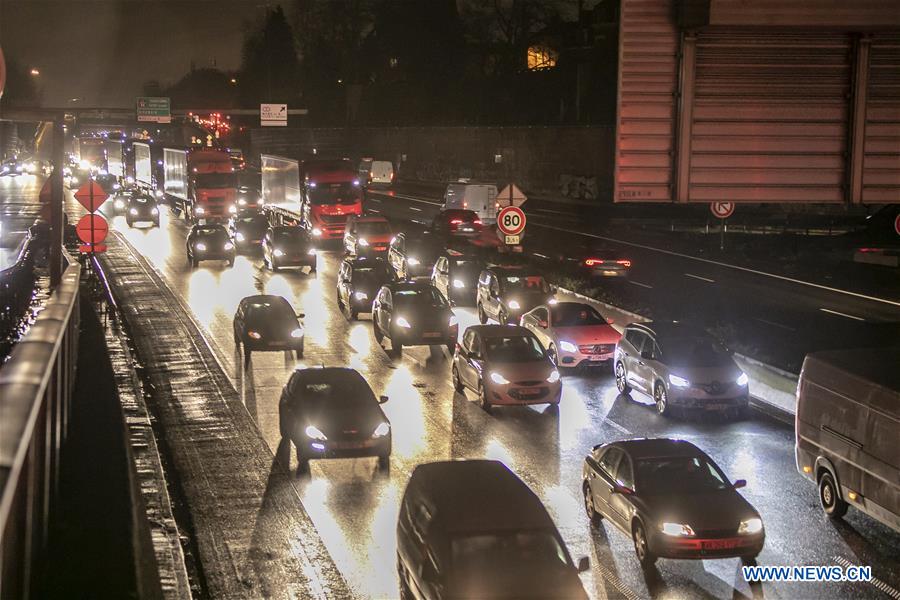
[479, 197]
[381, 172]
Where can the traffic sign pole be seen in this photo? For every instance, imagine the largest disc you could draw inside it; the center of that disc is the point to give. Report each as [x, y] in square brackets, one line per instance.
[56, 206]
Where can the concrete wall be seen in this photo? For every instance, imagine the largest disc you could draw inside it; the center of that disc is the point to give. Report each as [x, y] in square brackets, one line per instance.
[575, 162]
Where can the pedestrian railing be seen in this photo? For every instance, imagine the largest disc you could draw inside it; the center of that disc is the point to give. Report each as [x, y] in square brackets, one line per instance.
[36, 386]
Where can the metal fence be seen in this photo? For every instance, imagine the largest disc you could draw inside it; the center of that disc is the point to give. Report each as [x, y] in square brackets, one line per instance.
[36, 386]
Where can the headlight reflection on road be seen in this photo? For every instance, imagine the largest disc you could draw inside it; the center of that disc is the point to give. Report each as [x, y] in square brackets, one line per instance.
[312, 302]
[406, 413]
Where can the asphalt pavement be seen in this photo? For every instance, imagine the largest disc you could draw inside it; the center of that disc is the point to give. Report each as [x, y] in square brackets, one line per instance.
[354, 507]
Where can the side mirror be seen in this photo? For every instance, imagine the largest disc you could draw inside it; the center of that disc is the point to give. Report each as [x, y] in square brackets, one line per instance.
[301, 315]
[740, 483]
[621, 489]
[647, 355]
[554, 288]
[382, 399]
[610, 321]
[584, 563]
[543, 324]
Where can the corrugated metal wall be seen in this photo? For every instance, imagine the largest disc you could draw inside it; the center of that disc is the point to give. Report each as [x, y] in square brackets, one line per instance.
[754, 113]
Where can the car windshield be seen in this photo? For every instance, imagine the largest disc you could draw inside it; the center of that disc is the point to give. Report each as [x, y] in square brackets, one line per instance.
[290, 234]
[259, 312]
[467, 266]
[374, 228]
[694, 352]
[507, 551]
[524, 283]
[570, 314]
[334, 193]
[515, 348]
[426, 296]
[142, 199]
[333, 389]
[214, 181]
[211, 232]
[254, 222]
[679, 475]
[376, 271]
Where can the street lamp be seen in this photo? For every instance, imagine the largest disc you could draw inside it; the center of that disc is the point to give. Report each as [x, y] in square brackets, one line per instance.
[35, 72]
[233, 81]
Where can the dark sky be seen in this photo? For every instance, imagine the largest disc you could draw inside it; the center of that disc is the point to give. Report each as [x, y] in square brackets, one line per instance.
[104, 50]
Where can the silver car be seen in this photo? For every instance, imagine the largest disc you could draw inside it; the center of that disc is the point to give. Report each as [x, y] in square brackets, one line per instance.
[679, 366]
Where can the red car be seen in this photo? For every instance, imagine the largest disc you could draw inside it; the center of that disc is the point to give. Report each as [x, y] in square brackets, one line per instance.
[573, 333]
[457, 222]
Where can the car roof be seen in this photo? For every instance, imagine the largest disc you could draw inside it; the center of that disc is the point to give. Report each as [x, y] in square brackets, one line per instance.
[658, 448]
[499, 330]
[409, 285]
[363, 261]
[498, 501]
[512, 270]
[209, 226]
[260, 298]
[672, 329]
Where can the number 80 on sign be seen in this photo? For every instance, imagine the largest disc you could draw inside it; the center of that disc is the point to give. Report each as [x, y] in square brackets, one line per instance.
[511, 221]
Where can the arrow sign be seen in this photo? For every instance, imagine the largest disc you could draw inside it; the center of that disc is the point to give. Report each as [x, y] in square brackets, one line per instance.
[722, 210]
[511, 195]
[92, 229]
[91, 196]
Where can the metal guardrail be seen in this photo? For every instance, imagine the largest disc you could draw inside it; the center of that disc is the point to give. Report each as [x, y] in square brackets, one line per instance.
[36, 386]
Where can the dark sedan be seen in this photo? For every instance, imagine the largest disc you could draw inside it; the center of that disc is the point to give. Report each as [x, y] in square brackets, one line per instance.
[455, 275]
[333, 413]
[671, 499]
[285, 246]
[413, 314]
[209, 242]
[457, 222]
[358, 282]
[141, 209]
[247, 230]
[266, 322]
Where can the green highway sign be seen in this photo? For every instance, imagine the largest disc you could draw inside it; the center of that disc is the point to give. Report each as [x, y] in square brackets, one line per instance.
[154, 110]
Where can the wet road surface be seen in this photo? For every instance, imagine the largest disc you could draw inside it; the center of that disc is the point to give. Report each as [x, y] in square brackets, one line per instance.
[354, 506]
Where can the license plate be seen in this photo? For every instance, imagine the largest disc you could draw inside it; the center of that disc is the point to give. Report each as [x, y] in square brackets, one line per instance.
[349, 445]
[610, 273]
[716, 406]
[597, 357]
[431, 334]
[719, 544]
[529, 391]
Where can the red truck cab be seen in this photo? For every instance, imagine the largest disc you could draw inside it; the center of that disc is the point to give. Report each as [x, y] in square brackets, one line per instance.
[331, 192]
[212, 179]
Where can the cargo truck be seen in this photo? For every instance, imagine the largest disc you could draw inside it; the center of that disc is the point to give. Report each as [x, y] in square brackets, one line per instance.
[115, 160]
[90, 154]
[200, 182]
[144, 171]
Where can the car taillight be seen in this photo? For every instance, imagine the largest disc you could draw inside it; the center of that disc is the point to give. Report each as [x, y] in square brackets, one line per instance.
[590, 262]
[455, 221]
[624, 262]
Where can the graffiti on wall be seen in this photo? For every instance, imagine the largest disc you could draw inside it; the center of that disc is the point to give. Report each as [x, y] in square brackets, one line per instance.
[578, 187]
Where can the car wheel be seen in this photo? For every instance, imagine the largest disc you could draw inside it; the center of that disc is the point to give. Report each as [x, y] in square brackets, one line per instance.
[622, 379]
[642, 546]
[831, 502]
[190, 259]
[231, 263]
[379, 336]
[302, 463]
[312, 268]
[353, 314]
[482, 317]
[551, 353]
[483, 399]
[299, 351]
[457, 382]
[662, 398]
[748, 561]
[129, 222]
[384, 462]
[195, 263]
[593, 516]
[247, 353]
[396, 349]
[274, 266]
[340, 303]
[503, 317]
[405, 592]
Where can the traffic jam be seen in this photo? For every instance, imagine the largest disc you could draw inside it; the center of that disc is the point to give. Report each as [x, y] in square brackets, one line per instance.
[354, 335]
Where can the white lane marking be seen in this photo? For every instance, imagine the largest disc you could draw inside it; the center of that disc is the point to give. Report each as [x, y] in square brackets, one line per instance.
[721, 264]
[875, 582]
[616, 426]
[372, 210]
[375, 200]
[774, 324]
[414, 208]
[643, 285]
[840, 314]
[706, 279]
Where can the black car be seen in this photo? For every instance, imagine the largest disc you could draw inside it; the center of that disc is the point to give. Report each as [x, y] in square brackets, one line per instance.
[119, 201]
[141, 208]
[455, 275]
[286, 246]
[413, 254]
[505, 293]
[671, 499]
[247, 230]
[333, 413]
[266, 322]
[358, 281]
[209, 242]
[413, 314]
[108, 182]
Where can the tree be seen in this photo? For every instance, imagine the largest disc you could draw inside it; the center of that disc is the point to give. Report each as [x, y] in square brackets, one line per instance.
[270, 69]
[203, 88]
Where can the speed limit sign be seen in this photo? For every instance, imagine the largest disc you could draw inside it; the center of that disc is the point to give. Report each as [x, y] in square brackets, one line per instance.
[511, 221]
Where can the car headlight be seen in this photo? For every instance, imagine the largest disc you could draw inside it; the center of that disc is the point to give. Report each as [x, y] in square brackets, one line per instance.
[133, 212]
[459, 283]
[84, 164]
[498, 378]
[120, 204]
[116, 186]
[200, 246]
[261, 202]
[311, 252]
[200, 210]
[242, 201]
[254, 335]
[228, 246]
[129, 180]
[677, 529]
[382, 430]
[314, 433]
[154, 211]
[412, 261]
[514, 305]
[750, 526]
[743, 379]
[554, 376]
[361, 296]
[363, 242]
[678, 381]
[402, 322]
[316, 231]
[232, 209]
[552, 301]
[239, 236]
[278, 252]
[567, 346]
[103, 172]
[454, 322]
[159, 194]
[297, 333]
